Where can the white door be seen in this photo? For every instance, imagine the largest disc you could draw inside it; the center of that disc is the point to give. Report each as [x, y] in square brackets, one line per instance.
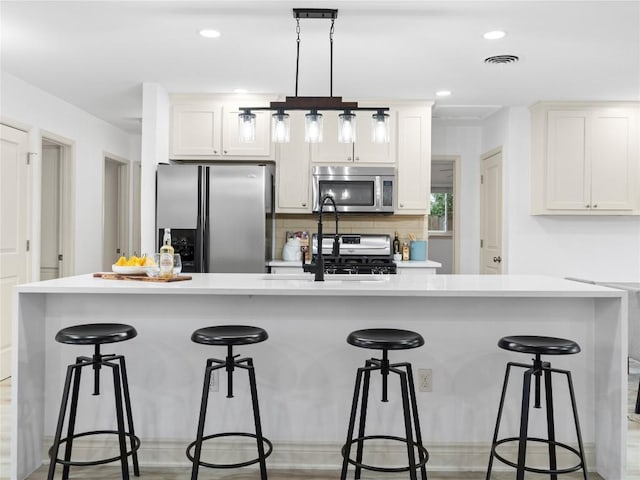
[14, 254]
[50, 252]
[491, 256]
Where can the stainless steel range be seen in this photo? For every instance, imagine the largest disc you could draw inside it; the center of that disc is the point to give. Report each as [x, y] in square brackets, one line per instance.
[359, 253]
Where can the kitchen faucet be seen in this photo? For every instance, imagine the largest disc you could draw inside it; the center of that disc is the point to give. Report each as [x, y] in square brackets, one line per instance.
[318, 268]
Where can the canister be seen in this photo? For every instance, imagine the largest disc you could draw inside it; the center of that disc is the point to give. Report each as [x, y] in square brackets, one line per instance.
[418, 250]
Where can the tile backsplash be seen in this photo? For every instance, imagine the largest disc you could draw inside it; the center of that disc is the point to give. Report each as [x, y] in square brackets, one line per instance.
[381, 224]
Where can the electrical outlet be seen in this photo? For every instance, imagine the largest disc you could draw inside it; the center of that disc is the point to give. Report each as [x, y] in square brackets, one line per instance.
[425, 380]
[214, 385]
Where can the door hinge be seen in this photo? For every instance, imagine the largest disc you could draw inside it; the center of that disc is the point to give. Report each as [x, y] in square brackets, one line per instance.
[28, 245]
[60, 257]
[481, 243]
[481, 179]
[29, 154]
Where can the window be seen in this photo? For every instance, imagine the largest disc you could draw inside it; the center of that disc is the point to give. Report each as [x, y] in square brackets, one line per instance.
[441, 216]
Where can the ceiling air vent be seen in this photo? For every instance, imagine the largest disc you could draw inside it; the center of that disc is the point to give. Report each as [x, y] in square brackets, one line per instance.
[501, 59]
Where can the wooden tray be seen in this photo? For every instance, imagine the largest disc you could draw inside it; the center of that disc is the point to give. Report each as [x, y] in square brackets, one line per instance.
[141, 277]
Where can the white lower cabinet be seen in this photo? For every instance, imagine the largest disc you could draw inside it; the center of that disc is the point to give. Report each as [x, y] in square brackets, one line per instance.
[585, 159]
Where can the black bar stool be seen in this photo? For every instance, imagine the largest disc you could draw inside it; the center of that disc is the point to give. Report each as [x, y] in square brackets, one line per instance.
[229, 335]
[96, 334]
[538, 346]
[385, 339]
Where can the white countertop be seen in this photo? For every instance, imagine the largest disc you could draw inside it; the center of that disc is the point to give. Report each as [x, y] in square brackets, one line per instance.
[335, 285]
[407, 264]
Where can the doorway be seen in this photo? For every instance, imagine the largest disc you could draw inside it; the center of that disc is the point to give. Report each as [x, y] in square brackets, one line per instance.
[115, 211]
[57, 207]
[444, 219]
[491, 255]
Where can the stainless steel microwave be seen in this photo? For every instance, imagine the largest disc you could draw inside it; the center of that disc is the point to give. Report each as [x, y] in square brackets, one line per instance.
[354, 189]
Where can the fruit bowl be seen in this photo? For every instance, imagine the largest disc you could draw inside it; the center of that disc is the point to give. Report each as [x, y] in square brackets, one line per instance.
[128, 270]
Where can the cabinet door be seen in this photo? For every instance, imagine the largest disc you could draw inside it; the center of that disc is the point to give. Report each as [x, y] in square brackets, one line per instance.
[293, 170]
[330, 150]
[366, 151]
[231, 144]
[568, 177]
[195, 129]
[414, 161]
[613, 176]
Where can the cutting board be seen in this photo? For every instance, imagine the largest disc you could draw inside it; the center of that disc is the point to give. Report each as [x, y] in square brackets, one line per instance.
[140, 278]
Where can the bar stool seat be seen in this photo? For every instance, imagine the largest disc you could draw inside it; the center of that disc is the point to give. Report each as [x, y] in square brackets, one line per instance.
[385, 339]
[96, 334]
[229, 336]
[538, 345]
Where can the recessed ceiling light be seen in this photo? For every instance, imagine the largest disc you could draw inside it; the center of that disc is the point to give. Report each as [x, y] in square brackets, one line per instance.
[443, 93]
[208, 33]
[240, 90]
[494, 35]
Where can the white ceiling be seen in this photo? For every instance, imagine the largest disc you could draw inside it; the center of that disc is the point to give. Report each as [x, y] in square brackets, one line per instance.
[96, 55]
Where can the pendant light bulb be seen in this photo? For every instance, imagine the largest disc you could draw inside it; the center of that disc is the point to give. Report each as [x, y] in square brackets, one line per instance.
[380, 127]
[313, 127]
[247, 126]
[280, 127]
[347, 127]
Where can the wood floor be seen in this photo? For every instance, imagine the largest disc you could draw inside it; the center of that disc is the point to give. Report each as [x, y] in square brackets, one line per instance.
[148, 473]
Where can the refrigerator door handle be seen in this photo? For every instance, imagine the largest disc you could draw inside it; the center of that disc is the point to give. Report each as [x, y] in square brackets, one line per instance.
[206, 232]
[200, 264]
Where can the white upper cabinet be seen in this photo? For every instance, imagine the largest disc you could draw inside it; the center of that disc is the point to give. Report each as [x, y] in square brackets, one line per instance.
[413, 182]
[206, 128]
[585, 159]
[363, 150]
[293, 170]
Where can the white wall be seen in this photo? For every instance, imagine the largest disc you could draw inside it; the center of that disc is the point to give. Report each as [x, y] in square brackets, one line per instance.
[29, 108]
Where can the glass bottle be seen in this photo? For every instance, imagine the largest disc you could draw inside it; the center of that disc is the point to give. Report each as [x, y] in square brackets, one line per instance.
[166, 255]
[396, 244]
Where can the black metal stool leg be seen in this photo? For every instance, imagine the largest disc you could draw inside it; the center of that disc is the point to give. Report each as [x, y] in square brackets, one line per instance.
[637, 410]
[416, 420]
[363, 417]
[72, 418]
[63, 410]
[352, 421]
[505, 384]
[256, 419]
[524, 424]
[577, 423]
[201, 420]
[127, 405]
[122, 438]
[551, 434]
[406, 410]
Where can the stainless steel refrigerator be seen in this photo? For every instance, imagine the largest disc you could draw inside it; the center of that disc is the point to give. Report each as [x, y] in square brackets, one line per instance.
[221, 216]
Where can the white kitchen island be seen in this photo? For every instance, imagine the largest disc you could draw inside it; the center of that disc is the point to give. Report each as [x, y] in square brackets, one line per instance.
[305, 370]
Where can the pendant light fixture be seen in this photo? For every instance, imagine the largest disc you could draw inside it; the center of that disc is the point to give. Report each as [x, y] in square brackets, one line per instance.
[280, 131]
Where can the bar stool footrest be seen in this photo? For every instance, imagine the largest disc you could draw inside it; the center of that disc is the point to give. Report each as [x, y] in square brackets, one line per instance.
[134, 440]
[538, 470]
[387, 469]
[229, 465]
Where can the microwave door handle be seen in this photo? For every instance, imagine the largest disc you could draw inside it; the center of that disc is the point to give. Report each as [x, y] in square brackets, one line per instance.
[378, 193]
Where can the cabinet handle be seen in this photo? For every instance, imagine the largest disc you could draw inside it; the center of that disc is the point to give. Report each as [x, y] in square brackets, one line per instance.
[357, 159]
[587, 206]
[595, 206]
[304, 204]
[402, 205]
[349, 159]
[215, 152]
[497, 259]
[225, 152]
